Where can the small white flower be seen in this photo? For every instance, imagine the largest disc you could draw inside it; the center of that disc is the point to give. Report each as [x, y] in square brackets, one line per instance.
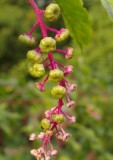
[32, 137]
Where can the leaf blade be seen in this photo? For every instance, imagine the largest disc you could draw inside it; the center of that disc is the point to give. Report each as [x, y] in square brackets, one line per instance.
[77, 20]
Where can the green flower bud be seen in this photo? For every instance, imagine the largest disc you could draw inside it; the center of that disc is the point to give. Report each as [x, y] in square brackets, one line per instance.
[36, 70]
[58, 92]
[55, 75]
[52, 12]
[63, 35]
[34, 56]
[47, 44]
[45, 124]
[58, 118]
[27, 40]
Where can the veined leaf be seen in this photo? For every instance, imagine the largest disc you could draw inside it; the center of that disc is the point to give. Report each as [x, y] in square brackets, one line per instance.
[76, 20]
[108, 4]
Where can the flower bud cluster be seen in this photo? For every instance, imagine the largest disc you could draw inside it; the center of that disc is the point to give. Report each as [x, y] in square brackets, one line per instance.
[57, 73]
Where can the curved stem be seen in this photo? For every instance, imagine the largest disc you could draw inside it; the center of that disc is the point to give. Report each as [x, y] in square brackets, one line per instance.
[33, 28]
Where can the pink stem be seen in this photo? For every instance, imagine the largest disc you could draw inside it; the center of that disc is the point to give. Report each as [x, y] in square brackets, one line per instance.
[52, 30]
[38, 14]
[33, 28]
[54, 126]
[65, 115]
[54, 110]
[61, 51]
[59, 64]
[53, 65]
[62, 129]
[60, 104]
[44, 81]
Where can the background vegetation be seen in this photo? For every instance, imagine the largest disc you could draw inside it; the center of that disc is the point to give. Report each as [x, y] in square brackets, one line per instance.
[22, 106]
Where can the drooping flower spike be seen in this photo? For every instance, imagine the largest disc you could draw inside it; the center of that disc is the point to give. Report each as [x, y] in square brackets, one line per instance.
[57, 75]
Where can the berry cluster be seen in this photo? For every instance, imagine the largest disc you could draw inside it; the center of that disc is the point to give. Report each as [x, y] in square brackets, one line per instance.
[36, 67]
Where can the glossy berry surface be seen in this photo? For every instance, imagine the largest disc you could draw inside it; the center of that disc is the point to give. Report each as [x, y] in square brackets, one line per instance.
[58, 92]
[27, 40]
[47, 44]
[56, 75]
[52, 12]
[34, 56]
[36, 70]
[45, 124]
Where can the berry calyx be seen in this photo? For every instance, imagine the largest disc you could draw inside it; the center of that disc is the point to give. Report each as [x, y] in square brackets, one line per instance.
[58, 118]
[27, 40]
[36, 70]
[62, 35]
[56, 75]
[52, 12]
[47, 44]
[45, 124]
[58, 92]
[34, 56]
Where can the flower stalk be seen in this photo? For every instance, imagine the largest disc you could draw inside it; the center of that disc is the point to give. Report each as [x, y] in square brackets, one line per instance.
[58, 73]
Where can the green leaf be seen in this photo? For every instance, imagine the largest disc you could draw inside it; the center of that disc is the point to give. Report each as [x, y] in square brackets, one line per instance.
[108, 4]
[76, 19]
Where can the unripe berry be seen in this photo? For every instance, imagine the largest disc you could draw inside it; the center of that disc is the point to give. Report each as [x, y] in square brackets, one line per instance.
[58, 118]
[47, 44]
[56, 75]
[36, 70]
[58, 92]
[52, 12]
[27, 40]
[62, 36]
[70, 52]
[34, 56]
[45, 124]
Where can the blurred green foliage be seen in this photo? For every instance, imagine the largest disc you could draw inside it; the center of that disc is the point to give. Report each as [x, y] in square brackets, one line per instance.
[22, 106]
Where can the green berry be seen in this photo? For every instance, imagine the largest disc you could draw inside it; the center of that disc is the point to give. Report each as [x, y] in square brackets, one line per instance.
[27, 40]
[47, 44]
[45, 124]
[52, 12]
[63, 35]
[36, 70]
[34, 56]
[70, 52]
[55, 75]
[58, 92]
[58, 118]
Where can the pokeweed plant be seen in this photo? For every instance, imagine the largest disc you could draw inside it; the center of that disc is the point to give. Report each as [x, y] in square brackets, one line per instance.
[52, 122]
